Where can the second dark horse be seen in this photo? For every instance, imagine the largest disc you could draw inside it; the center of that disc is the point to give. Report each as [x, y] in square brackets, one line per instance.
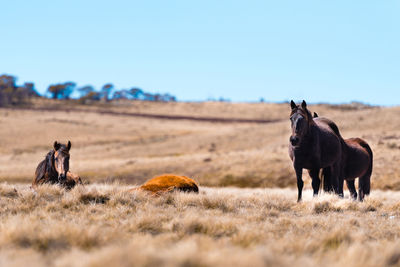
[357, 161]
[313, 146]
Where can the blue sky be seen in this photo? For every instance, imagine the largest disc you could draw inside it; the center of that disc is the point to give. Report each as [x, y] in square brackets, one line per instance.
[321, 51]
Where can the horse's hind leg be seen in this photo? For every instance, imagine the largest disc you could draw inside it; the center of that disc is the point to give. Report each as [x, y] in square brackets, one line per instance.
[364, 186]
[367, 183]
[352, 189]
[326, 174]
[314, 173]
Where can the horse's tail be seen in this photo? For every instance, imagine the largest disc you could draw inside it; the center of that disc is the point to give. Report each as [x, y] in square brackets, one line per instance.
[365, 180]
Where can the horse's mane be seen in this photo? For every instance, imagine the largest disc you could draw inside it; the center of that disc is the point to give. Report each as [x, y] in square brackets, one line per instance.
[331, 124]
[309, 116]
[305, 112]
[46, 166]
[50, 161]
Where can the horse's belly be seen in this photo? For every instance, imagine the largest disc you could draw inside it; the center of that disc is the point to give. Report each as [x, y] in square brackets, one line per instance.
[355, 172]
[310, 164]
[330, 156]
[357, 163]
[331, 150]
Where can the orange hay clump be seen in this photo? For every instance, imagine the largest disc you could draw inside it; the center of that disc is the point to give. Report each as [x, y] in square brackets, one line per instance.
[169, 182]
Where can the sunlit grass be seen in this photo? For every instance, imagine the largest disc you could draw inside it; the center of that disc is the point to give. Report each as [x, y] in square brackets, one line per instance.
[97, 224]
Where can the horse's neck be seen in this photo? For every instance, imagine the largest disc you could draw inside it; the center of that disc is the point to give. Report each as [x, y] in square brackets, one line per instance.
[310, 137]
[309, 143]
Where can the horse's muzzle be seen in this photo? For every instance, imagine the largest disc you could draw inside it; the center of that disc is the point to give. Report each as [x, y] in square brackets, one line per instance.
[61, 178]
[294, 140]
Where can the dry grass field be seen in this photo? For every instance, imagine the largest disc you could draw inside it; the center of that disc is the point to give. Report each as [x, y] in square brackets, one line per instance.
[245, 214]
[104, 225]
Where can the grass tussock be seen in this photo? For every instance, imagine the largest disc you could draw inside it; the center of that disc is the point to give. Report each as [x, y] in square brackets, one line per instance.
[100, 224]
[8, 191]
[93, 198]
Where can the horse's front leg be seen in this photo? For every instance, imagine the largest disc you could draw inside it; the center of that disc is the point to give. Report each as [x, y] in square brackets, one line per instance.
[314, 174]
[300, 183]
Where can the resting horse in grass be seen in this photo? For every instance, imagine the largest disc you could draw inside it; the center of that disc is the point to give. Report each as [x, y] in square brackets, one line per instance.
[54, 169]
[357, 162]
[168, 183]
[313, 146]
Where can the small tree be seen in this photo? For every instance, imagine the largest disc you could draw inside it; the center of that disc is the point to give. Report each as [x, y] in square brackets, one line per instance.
[30, 90]
[136, 93]
[11, 94]
[69, 88]
[7, 81]
[61, 90]
[7, 89]
[55, 90]
[148, 97]
[85, 90]
[121, 94]
[106, 91]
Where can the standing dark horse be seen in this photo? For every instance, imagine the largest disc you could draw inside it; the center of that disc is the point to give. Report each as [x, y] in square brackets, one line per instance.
[313, 145]
[54, 169]
[357, 162]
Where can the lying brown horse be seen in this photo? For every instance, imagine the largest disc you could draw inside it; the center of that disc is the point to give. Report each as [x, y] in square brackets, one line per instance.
[357, 162]
[54, 169]
[313, 145]
[168, 183]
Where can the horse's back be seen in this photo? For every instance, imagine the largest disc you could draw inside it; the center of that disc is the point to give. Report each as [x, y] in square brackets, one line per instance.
[360, 145]
[358, 158]
[330, 144]
[328, 122]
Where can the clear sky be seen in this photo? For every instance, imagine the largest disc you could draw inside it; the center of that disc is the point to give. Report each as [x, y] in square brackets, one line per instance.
[321, 51]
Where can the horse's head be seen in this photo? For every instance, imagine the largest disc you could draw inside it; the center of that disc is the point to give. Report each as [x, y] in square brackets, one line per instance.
[61, 159]
[300, 118]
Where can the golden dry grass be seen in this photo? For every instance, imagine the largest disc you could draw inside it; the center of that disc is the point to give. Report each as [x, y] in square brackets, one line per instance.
[104, 224]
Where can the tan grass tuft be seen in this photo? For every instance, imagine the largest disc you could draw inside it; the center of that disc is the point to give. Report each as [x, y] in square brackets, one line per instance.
[325, 206]
[93, 197]
[336, 239]
[218, 227]
[8, 191]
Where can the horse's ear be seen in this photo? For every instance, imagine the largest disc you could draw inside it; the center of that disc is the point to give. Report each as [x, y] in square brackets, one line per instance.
[56, 145]
[293, 105]
[315, 115]
[69, 145]
[304, 104]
